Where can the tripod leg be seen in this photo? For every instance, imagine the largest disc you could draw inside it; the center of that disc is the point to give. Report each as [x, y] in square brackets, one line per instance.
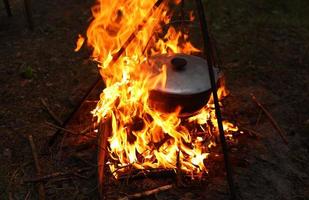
[7, 7]
[29, 14]
[209, 55]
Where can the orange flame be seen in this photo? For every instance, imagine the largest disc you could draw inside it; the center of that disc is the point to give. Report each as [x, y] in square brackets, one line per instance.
[142, 137]
[79, 43]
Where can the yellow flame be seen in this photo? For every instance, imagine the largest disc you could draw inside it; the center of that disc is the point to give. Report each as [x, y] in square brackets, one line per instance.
[142, 137]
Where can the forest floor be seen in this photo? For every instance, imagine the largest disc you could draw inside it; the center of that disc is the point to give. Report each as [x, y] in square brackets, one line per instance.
[264, 47]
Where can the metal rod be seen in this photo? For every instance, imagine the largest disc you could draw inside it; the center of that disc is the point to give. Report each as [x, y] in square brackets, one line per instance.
[281, 133]
[208, 51]
[54, 137]
[182, 11]
[28, 10]
[7, 7]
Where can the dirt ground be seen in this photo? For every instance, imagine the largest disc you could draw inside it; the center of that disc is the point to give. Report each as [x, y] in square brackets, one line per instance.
[264, 46]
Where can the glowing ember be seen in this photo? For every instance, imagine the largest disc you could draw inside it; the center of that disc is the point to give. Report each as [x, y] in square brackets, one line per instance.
[142, 137]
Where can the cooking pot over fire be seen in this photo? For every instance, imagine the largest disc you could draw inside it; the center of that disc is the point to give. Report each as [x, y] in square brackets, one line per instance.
[187, 83]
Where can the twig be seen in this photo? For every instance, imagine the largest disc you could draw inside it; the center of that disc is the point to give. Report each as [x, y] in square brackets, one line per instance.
[13, 177]
[147, 192]
[50, 112]
[37, 166]
[11, 195]
[61, 179]
[28, 195]
[59, 154]
[88, 128]
[149, 173]
[272, 120]
[91, 101]
[63, 129]
[56, 174]
[258, 118]
[66, 131]
[250, 130]
[122, 167]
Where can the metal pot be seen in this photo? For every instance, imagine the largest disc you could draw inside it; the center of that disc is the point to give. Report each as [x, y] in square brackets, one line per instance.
[187, 83]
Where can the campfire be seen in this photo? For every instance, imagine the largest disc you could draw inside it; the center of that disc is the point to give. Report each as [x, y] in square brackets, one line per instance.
[156, 111]
[158, 120]
[156, 123]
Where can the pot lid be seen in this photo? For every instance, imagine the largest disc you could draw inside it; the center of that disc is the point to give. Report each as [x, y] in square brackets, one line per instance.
[186, 74]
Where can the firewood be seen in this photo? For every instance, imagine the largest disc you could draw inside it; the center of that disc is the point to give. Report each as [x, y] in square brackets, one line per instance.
[103, 134]
[272, 120]
[147, 173]
[37, 166]
[147, 192]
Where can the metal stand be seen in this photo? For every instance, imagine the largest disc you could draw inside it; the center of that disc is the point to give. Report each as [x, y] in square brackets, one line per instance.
[208, 52]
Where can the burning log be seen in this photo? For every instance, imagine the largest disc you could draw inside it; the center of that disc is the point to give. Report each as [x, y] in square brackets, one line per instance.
[149, 173]
[272, 120]
[104, 132]
[37, 166]
[147, 192]
[157, 173]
